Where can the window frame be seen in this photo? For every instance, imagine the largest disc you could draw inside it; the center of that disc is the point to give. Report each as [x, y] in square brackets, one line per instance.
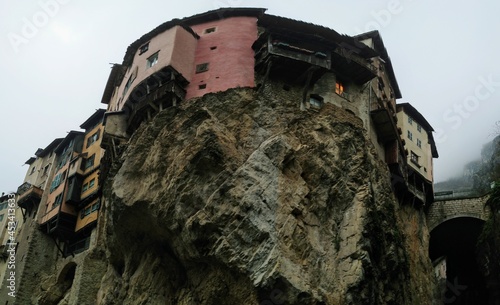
[144, 48]
[152, 60]
[203, 67]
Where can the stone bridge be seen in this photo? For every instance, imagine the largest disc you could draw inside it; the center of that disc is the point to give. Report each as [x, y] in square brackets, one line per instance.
[443, 210]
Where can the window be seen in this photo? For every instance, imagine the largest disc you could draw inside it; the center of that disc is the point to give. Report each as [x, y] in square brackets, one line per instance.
[33, 169]
[419, 128]
[91, 183]
[339, 88]
[213, 48]
[45, 170]
[95, 206]
[152, 60]
[414, 158]
[85, 187]
[410, 135]
[410, 120]
[129, 83]
[202, 86]
[85, 212]
[91, 140]
[210, 30]
[202, 67]
[63, 176]
[55, 183]
[419, 143]
[144, 48]
[58, 200]
[316, 101]
[90, 162]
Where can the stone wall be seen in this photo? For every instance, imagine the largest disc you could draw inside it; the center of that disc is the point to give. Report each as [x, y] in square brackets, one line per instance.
[441, 211]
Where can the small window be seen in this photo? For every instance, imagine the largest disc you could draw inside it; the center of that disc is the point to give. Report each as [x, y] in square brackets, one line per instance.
[85, 187]
[202, 67]
[410, 135]
[414, 158]
[91, 183]
[210, 30]
[129, 83]
[95, 206]
[87, 211]
[33, 169]
[45, 170]
[144, 48]
[90, 162]
[339, 88]
[410, 120]
[419, 128]
[419, 143]
[202, 86]
[213, 48]
[58, 200]
[152, 60]
[92, 139]
[316, 101]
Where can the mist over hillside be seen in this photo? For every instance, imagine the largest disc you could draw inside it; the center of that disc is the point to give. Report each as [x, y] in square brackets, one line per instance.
[478, 175]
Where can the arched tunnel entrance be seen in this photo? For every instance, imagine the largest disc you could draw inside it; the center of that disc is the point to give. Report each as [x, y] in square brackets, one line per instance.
[456, 240]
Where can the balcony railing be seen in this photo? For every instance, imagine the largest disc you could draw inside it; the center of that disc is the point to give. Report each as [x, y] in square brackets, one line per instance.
[28, 195]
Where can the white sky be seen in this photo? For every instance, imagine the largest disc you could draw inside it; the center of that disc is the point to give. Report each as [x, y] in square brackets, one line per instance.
[53, 74]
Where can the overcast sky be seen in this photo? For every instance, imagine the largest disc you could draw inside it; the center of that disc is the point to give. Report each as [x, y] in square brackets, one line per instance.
[55, 59]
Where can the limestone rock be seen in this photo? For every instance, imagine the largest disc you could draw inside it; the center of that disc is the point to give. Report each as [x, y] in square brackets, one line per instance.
[242, 198]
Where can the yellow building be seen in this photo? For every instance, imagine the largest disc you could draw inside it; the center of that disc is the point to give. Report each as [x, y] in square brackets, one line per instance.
[90, 187]
[420, 149]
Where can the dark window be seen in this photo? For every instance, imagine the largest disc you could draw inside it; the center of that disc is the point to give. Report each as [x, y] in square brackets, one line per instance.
[129, 83]
[414, 158]
[95, 206]
[90, 161]
[202, 67]
[213, 48]
[33, 170]
[58, 200]
[419, 128]
[93, 138]
[91, 183]
[85, 187]
[410, 135]
[210, 30]
[202, 86]
[144, 48]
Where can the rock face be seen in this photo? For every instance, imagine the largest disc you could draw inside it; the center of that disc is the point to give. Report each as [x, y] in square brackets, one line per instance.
[242, 198]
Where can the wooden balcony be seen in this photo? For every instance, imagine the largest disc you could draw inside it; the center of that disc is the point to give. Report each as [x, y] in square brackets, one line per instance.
[29, 196]
[348, 64]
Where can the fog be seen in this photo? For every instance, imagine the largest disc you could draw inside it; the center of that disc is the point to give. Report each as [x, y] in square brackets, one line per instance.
[55, 58]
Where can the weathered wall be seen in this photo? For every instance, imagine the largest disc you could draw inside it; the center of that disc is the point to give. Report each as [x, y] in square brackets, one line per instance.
[241, 198]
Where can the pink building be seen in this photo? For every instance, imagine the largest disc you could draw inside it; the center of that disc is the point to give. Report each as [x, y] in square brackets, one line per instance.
[182, 59]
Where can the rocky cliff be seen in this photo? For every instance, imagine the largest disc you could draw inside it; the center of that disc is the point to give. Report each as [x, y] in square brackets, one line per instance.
[242, 198]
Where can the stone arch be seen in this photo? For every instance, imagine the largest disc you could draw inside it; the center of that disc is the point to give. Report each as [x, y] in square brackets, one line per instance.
[441, 211]
[67, 274]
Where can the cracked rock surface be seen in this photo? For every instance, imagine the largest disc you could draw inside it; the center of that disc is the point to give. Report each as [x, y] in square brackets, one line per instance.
[242, 198]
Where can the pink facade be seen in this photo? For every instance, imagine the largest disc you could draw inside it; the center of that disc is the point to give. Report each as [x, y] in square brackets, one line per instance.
[226, 45]
[175, 47]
